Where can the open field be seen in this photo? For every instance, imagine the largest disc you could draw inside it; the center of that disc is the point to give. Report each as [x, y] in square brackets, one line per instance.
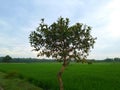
[97, 76]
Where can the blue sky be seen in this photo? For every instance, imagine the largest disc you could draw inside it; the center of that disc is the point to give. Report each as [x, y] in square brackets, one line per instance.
[19, 17]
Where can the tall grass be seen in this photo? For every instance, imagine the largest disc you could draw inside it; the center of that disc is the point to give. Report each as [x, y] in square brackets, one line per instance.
[101, 76]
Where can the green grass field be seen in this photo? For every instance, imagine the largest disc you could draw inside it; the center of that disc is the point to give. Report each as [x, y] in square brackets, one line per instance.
[97, 76]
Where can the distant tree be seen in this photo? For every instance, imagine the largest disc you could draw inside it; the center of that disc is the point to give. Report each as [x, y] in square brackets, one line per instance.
[7, 58]
[89, 62]
[109, 60]
[1, 58]
[116, 59]
[62, 42]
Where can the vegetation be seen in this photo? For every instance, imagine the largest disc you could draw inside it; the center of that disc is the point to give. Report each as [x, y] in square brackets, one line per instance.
[6, 59]
[62, 42]
[14, 83]
[98, 76]
[36, 60]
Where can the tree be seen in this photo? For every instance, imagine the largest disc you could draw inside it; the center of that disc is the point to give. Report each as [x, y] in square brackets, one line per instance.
[116, 59]
[62, 42]
[7, 58]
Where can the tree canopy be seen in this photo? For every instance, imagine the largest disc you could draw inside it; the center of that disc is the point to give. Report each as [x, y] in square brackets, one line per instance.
[62, 41]
[7, 58]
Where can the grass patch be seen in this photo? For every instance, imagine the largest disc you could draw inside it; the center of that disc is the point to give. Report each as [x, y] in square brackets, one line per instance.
[11, 82]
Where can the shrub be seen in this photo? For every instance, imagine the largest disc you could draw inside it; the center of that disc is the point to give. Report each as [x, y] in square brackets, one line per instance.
[11, 74]
[90, 62]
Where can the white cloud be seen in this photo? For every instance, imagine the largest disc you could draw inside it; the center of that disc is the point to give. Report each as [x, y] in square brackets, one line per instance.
[113, 27]
[105, 22]
[18, 51]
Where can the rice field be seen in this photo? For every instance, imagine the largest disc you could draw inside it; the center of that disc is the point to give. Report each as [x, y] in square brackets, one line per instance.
[97, 76]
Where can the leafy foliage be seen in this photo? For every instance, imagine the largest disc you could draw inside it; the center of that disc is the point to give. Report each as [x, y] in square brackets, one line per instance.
[7, 58]
[62, 41]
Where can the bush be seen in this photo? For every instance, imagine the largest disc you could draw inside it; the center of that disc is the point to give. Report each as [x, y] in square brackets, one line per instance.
[89, 62]
[11, 74]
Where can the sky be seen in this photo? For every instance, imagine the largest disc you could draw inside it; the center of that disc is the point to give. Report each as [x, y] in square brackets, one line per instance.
[19, 17]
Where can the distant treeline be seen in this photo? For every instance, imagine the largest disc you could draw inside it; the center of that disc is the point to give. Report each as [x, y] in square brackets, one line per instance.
[106, 60]
[9, 59]
[24, 60]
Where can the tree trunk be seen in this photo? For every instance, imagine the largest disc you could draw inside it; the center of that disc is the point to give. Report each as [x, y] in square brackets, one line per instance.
[60, 77]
